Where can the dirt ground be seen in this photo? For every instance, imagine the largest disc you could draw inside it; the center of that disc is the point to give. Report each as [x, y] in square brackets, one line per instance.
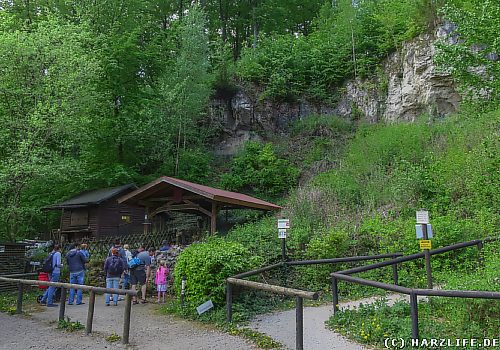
[149, 330]
[152, 330]
[281, 326]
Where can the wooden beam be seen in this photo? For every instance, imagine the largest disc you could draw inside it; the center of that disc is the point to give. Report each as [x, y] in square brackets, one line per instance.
[180, 207]
[200, 208]
[167, 199]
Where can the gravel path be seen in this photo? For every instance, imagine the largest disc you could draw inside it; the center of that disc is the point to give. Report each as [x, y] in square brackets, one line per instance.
[281, 326]
[149, 330]
[155, 331]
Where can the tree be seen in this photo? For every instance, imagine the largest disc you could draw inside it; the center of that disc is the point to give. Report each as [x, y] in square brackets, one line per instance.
[184, 90]
[48, 94]
[472, 54]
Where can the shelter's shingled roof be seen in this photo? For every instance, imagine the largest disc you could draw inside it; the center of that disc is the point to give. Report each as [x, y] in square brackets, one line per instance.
[92, 197]
[215, 194]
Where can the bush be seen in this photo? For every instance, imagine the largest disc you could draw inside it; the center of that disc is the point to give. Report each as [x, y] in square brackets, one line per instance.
[206, 266]
[258, 169]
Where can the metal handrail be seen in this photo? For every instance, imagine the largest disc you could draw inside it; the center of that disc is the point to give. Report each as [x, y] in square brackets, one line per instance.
[345, 275]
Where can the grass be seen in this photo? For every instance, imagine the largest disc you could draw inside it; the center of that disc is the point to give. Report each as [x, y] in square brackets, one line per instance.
[439, 317]
[113, 338]
[8, 301]
[69, 325]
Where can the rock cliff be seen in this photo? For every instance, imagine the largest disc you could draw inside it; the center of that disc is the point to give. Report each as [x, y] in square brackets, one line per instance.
[407, 85]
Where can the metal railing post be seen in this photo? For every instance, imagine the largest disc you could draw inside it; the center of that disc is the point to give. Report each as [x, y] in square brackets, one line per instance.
[229, 302]
[126, 319]
[90, 314]
[62, 304]
[299, 324]
[20, 290]
[395, 275]
[335, 295]
[480, 258]
[414, 315]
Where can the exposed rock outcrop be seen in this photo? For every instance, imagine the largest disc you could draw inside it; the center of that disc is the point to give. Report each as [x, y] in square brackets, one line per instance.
[407, 85]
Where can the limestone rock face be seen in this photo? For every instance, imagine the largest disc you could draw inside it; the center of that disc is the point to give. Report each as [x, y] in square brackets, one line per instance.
[407, 85]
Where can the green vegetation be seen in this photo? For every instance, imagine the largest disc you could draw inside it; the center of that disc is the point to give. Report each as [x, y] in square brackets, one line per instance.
[347, 41]
[257, 169]
[438, 317]
[69, 325]
[113, 338]
[8, 301]
[95, 96]
[206, 265]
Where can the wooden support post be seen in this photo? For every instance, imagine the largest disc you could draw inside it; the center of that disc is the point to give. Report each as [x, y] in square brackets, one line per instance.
[335, 295]
[299, 324]
[213, 218]
[90, 314]
[229, 302]
[20, 290]
[126, 319]
[414, 315]
[62, 304]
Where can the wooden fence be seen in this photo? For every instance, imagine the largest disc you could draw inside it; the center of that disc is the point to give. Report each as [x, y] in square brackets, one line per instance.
[62, 305]
[101, 246]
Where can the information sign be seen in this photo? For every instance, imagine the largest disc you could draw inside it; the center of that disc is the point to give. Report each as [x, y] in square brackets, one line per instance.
[284, 223]
[204, 307]
[282, 233]
[422, 217]
[425, 244]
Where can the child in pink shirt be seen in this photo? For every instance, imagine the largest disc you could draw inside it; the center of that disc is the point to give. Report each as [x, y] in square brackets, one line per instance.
[161, 280]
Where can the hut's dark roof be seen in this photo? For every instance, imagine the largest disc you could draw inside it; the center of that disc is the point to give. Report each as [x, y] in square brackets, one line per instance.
[93, 197]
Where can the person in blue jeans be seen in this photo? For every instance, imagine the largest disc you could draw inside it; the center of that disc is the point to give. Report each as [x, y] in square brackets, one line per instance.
[48, 296]
[76, 265]
[113, 268]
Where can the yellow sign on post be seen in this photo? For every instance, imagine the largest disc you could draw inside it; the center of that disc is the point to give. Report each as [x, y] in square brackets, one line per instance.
[425, 244]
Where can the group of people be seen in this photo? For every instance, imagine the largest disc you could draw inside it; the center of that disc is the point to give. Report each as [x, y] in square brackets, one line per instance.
[121, 265]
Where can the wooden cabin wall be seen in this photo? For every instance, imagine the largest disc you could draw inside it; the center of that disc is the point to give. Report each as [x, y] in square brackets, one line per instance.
[12, 261]
[110, 219]
[136, 219]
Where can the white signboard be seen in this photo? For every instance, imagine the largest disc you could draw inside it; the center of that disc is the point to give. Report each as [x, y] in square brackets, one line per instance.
[422, 217]
[204, 307]
[420, 232]
[284, 223]
[282, 233]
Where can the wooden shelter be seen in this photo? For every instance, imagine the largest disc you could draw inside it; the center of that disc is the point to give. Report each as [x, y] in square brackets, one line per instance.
[97, 213]
[12, 261]
[168, 194]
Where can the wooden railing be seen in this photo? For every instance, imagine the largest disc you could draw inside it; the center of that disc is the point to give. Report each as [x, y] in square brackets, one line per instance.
[62, 306]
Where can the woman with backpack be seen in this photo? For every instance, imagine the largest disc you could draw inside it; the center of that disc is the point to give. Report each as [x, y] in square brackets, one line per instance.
[113, 268]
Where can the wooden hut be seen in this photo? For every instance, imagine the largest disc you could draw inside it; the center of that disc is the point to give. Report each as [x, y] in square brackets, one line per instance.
[12, 261]
[97, 213]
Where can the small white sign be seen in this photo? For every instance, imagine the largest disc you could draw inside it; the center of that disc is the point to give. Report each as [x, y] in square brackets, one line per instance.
[282, 233]
[422, 217]
[420, 231]
[204, 307]
[284, 223]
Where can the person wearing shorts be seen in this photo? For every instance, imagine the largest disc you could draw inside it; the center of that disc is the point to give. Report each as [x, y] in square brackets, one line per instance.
[140, 274]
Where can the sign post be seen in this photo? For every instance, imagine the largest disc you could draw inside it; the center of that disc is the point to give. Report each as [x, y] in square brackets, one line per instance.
[425, 244]
[283, 225]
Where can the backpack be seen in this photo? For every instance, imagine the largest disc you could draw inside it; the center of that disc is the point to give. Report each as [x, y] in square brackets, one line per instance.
[48, 264]
[115, 268]
[134, 262]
